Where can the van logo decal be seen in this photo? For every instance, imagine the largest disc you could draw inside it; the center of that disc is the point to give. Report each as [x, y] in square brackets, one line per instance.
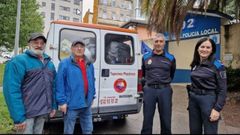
[120, 85]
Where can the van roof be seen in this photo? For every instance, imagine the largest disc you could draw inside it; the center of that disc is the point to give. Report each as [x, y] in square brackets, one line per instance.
[96, 26]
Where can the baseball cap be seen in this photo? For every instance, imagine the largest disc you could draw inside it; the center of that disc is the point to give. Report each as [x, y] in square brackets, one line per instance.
[34, 36]
[78, 42]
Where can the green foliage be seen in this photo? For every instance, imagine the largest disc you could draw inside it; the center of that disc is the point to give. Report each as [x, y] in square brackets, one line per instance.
[2, 66]
[30, 21]
[230, 7]
[233, 79]
[6, 124]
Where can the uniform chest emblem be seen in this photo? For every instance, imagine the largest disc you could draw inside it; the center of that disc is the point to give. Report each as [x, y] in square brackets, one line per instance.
[149, 62]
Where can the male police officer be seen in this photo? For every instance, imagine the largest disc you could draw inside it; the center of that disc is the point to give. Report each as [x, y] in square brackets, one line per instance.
[158, 71]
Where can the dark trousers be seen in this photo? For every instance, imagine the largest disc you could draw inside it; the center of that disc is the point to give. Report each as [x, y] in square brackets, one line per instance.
[200, 107]
[163, 97]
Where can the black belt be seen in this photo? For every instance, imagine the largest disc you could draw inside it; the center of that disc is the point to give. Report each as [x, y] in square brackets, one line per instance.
[158, 86]
[203, 92]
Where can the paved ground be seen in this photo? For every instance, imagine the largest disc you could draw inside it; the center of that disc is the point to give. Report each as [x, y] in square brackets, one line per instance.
[180, 120]
[133, 123]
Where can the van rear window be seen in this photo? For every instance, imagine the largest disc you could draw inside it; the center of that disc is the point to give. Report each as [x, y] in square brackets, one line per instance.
[119, 49]
[67, 36]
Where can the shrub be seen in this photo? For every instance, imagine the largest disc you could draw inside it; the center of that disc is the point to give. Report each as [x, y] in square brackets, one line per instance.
[233, 79]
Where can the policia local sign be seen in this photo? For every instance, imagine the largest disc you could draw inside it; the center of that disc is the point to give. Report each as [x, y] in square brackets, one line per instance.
[200, 25]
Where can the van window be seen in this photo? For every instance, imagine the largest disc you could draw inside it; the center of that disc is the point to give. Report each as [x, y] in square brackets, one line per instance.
[67, 36]
[119, 49]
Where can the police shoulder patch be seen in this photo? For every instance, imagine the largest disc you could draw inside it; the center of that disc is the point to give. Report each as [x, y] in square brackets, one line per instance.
[218, 64]
[169, 56]
[147, 55]
[223, 74]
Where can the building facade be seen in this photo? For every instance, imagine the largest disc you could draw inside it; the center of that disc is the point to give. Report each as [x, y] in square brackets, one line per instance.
[70, 10]
[116, 12]
[231, 43]
[88, 17]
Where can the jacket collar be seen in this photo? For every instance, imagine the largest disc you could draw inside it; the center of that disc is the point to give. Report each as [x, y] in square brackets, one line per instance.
[87, 61]
[208, 62]
[154, 54]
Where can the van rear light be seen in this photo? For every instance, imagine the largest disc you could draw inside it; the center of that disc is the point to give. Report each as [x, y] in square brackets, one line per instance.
[140, 87]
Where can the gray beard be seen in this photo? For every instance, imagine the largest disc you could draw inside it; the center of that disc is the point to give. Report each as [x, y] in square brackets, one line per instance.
[36, 51]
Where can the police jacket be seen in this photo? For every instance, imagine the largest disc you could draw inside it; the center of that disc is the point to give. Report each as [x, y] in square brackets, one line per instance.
[29, 86]
[70, 85]
[210, 75]
[158, 69]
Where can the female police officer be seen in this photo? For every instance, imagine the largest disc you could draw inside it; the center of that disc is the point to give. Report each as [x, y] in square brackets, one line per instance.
[208, 89]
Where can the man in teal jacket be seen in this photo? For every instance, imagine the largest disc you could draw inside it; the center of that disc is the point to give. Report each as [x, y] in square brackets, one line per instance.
[29, 87]
[76, 89]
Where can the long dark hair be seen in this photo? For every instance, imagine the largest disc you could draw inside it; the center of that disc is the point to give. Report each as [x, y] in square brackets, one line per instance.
[196, 56]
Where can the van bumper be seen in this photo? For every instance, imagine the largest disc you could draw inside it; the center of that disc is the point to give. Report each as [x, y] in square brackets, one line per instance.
[108, 113]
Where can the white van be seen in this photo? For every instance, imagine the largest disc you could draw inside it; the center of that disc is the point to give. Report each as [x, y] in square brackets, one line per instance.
[115, 53]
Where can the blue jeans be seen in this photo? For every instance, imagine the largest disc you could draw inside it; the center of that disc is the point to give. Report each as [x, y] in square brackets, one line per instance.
[85, 117]
[34, 125]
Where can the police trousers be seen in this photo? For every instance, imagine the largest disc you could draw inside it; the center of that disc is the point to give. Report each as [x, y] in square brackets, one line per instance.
[163, 98]
[199, 108]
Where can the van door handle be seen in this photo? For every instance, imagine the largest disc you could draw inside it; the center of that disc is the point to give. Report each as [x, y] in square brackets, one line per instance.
[105, 72]
[52, 48]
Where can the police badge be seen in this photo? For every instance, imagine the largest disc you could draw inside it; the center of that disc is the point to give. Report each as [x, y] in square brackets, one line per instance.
[149, 62]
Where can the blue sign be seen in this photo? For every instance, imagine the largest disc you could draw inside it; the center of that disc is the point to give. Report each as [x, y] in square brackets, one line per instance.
[196, 25]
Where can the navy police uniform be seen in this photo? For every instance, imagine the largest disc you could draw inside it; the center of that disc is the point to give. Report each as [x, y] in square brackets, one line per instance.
[158, 72]
[208, 91]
